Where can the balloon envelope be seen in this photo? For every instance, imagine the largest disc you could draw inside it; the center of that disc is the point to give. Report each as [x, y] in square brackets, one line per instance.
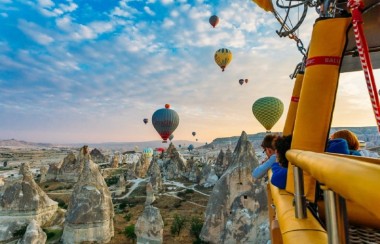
[165, 121]
[246, 80]
[193, 133]
[148, 152]
[145, 120]
[190, 147]
[223, 57]
[214, 20]
[241, 81]
[268, 111]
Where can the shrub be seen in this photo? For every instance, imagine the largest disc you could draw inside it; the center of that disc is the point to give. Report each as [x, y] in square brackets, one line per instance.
[61, 203]
[196, 227]
[177, 225]
[129, 232]
[128, 216]
[112, 181]
[20, 231]
[188, 191]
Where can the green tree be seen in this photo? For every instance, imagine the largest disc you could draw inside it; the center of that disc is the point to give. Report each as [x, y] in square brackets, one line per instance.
[196, 228]
[178, 224]
[129, 232]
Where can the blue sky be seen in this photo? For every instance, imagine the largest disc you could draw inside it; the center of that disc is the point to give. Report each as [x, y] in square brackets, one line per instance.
[90, 71]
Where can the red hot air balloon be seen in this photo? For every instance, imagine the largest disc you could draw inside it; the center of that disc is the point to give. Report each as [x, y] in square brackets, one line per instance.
[214, 20]
[241, 81]
[246, 80]
[165, 121]
[145, 120]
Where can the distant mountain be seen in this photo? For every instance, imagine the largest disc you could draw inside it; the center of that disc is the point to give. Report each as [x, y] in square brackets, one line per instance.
[119, 146]
[16, 143]
[369, 134]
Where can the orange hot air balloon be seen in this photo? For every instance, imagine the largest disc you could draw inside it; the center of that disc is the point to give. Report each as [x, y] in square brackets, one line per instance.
[246, 80]
[214, 20]
[167, 105]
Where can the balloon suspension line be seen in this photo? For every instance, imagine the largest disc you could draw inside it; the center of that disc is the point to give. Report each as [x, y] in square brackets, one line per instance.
[356, 7]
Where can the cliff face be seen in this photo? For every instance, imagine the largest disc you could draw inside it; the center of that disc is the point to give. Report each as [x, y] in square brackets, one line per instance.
[237, 208]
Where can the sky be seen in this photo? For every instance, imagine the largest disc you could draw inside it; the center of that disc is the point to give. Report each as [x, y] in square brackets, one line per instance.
[89, 71]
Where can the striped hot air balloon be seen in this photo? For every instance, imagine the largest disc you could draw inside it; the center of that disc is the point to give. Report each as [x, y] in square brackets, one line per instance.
[165, 121]
[148, 152]
[268, 111]
[223, 57]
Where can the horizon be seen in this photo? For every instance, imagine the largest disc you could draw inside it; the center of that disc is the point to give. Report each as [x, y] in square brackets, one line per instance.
[75, 71]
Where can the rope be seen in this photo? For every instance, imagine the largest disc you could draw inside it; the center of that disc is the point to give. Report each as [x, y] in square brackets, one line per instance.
[356, 7]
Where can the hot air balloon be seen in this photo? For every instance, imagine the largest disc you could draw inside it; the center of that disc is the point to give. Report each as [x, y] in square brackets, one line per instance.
[214, 20]
[171, 137]
[190, 147]
[145, 120]
[246, 80]
[148, 152]
[268, 111]
[193, 133]
[241, 81]
[223, 57]
[165, 121]
[196, 139]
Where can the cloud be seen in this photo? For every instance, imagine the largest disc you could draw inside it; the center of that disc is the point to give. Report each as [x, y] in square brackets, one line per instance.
[48, 9]
[149, 11]
[35, 32]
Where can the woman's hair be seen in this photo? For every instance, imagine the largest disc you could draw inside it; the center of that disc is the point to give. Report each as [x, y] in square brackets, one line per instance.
[268, 141]
[282, 145]
[352, 140]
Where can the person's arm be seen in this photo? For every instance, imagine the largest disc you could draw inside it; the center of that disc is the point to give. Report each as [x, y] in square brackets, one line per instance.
[279, 176]
[262, 169]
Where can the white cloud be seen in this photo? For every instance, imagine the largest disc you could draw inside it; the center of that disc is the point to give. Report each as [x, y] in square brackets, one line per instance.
[64, 23]
[84, 32]
[149, 11]
[168, 23]
[167, 2]
[46, 3]
[35, 32]
[4, 15]
[69, 7]
[101, 27]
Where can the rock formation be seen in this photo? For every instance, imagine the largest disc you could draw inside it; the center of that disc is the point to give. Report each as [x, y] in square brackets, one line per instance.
[222, 162]
[33, 234]
[142, 166]
[149, 227]
[175, 166]
[22, 201]
[90, 212]
[43, 172]
[149, 194]
[154, 174]
[68, 170]
[115, 161]
[120, 186]
[237, 208]
[97, 157]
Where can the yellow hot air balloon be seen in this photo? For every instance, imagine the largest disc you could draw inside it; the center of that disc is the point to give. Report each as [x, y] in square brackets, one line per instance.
[265, 4]
[268, 111]
[223, 57]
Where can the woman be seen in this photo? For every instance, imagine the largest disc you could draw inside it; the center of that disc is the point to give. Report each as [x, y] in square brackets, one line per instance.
[352, 140]
[280, 168]
[268, 149]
